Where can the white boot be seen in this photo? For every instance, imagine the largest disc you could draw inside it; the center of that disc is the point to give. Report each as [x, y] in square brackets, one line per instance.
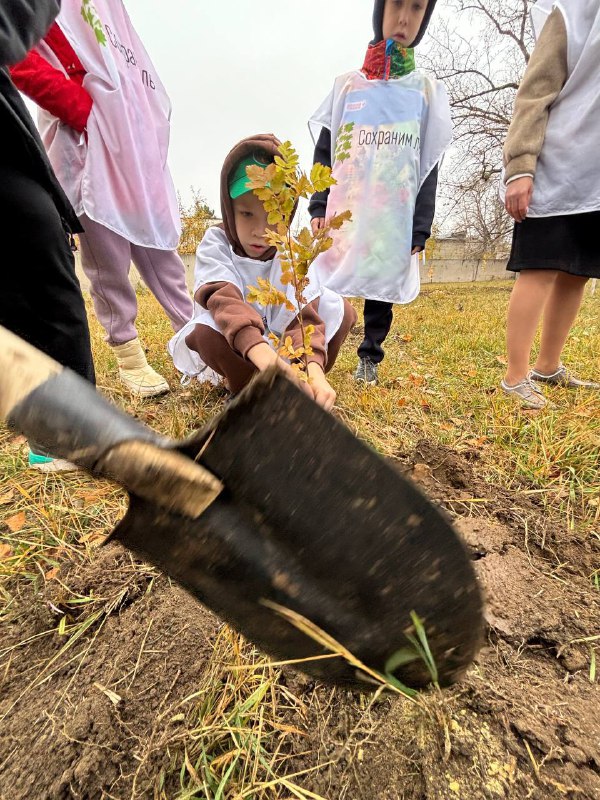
[135, 372]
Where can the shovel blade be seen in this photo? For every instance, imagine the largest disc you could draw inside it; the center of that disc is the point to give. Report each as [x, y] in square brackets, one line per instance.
[314, 521]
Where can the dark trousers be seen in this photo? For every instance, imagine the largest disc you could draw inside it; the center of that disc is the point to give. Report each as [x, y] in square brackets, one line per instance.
[40, 296]
[378, 321]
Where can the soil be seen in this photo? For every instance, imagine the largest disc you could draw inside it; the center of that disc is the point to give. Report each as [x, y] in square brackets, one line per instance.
[524, 723]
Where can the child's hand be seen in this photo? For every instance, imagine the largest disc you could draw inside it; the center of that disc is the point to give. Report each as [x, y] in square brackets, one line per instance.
[416, 250]
[518, 197]
[323, 393]
[263, 356]
[317, 223]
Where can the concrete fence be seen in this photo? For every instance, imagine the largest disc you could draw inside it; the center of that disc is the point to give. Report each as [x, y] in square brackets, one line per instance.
[452, 261]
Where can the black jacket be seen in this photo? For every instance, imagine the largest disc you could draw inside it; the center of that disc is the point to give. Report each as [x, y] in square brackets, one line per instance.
[425, 205]
[22, 24]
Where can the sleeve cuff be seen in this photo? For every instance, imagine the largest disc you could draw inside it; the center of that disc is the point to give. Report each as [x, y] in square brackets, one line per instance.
[317, 358]
[247, 338]
[519, 166]
[516, 177]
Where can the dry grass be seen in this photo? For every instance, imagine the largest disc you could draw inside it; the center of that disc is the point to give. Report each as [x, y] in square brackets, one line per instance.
[439, 382]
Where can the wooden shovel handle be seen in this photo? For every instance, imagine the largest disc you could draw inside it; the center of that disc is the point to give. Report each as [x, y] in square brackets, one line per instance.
[98, 436]
[22, 370]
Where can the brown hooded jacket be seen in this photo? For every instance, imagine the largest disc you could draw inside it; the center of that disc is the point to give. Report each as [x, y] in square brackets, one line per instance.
[238, 321]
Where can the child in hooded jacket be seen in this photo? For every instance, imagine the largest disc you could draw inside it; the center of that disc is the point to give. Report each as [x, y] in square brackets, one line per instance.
[228, 336]
[384, 128]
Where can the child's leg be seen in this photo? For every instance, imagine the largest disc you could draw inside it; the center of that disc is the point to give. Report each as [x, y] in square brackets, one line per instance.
[528, 299]
[560, 313]
[378, 321]
[213, 349]
[163, 273]
[334, 346]
[106, 258]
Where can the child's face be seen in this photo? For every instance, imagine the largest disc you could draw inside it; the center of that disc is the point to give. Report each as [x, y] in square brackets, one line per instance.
[402, 20]
[250, 224]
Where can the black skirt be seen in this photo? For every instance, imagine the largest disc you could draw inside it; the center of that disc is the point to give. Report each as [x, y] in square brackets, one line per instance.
[569, 243]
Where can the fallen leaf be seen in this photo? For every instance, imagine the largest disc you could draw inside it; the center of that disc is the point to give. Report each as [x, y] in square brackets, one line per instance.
[7, 498]
[501, 360]
[52, 573]
[401, 402]
[5, 550]
[93, 497]
[477, 442]
[418, 380]
[408, 337]
[472, 373]
[93, 538]
[16, 522]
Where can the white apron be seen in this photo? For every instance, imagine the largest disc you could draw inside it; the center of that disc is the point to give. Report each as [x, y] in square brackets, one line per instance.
[386, 137]
[567, 177]
[215, 262]
[120, 177]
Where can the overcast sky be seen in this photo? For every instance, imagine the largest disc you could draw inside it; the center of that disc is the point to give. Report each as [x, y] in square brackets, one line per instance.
[240, 67]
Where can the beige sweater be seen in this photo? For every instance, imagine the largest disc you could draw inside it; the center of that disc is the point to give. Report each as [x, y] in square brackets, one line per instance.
[544, 78]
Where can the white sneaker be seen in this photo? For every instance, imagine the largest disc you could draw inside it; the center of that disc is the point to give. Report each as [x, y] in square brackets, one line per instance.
[527, 392]
[135, 372]
[48, 464]
[562, 377]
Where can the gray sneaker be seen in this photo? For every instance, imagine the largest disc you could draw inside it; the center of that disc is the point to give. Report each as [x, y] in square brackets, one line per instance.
[527, 392]
[562, 377]
[366, 372]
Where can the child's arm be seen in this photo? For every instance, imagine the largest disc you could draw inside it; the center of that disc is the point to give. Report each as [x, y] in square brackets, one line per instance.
[240, 324]
[52, 90]
[318, 202]
[243, 330]
[310, 316]
[544, 78]
[321, 390]
[424, 211]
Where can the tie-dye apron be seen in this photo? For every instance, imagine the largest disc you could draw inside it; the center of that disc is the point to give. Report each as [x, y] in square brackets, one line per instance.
[387, 136]
[117, 172]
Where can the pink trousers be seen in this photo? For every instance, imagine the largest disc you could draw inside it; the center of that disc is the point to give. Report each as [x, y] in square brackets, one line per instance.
[106, 258]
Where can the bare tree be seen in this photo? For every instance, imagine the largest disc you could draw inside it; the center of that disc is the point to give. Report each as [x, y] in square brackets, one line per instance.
[479, 49]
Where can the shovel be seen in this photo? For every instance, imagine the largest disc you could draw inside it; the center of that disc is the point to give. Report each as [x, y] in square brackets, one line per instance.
[275, 517]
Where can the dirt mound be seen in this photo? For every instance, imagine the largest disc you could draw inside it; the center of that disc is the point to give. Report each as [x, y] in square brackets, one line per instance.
[64, 734]
[91, 719]
[525, 722]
